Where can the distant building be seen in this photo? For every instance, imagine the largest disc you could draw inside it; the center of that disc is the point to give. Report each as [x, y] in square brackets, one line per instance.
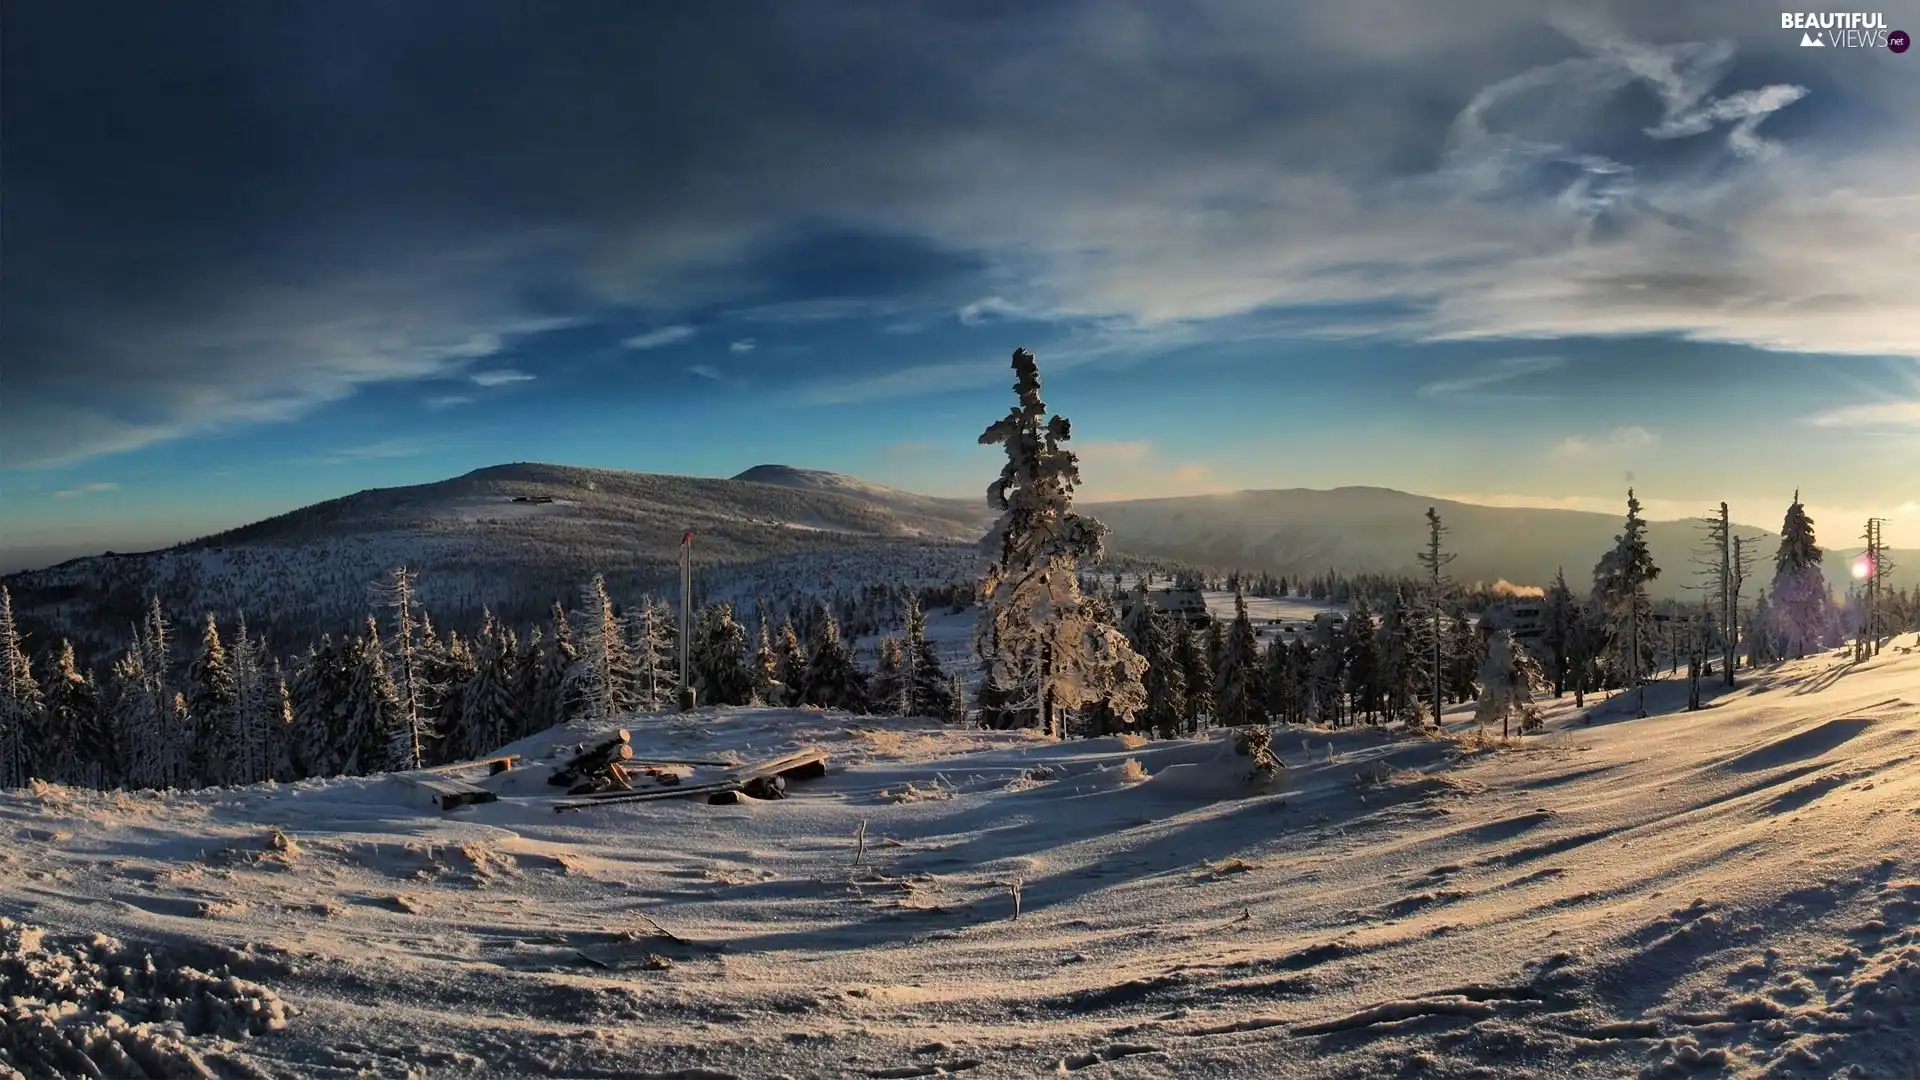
[1185, 605]
[1525, 617]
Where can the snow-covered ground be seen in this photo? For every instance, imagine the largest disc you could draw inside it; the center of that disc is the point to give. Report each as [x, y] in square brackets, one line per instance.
[1729, 893]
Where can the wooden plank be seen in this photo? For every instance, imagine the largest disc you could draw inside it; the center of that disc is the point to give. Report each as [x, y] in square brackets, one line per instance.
[494, 765]
[448, 792]
[605, 798]
[803, 761]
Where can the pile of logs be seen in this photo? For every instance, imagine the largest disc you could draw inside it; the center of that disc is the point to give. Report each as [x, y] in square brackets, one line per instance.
[598, 766]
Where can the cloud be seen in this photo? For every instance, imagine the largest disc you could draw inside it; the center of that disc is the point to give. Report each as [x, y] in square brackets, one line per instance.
[1621, 440]
[500, 378]
[1908, 507]
[448, 401]
[1491, 373]
[1480, 176]
[705, 371]
[660, 338]
[744, 345]
[1878, 414]
[1132, 469]
[984, 310]
[1112, 452]
[375, 451]
[96, 488]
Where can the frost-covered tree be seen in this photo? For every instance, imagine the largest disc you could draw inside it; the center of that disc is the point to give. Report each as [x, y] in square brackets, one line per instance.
[1434, 560]
[1165, 712]
[595, 686]
[1464, 651]
[378, 730]
[211, 692]
[1760, 643]
[1327, 681]
[75, 745]
[489, 708]
[1620, 582]
[832, 680]
[721, 667]
[1237, 683]
[1508, 678]
[1196, 672]
[1802, 603]
[765, 669]
[928, 685]
[789, 662]
[20, 698]
[548, 699]
[1363, 662]
[887, 691]
[1401, 663]
[650, 632]
[407, 665]
[1036, 633]
[1557, 635]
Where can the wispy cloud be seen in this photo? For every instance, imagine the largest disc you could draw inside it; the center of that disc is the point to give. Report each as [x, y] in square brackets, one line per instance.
[388, 448]
[500, 378]
[1909, 507]
[1491, 373]
[98, 487]
[705, 371]
[1100, 453]
[1878, 414]
[987, 308]
[744, 345]
[1620, 440]
[660, 338]
[448, 401]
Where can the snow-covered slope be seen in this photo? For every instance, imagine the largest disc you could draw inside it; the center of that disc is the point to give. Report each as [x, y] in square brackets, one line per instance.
[1732, 893]
[516, 538]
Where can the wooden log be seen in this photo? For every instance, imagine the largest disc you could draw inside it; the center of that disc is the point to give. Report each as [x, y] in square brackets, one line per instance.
[593, 759]
[606, 798]
[494, 766]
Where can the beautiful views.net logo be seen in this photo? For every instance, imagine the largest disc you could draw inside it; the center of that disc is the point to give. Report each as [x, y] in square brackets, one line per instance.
[1845, 30]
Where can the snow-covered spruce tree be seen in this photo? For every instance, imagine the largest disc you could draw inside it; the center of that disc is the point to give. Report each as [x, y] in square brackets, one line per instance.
[1035, 633]
[1802, 603]
[1508, 678]
[451, 670]
[1237, 684]
[407, 665]
[1165, 683]
[887, 691]
[1760, 641]
[765, 669]
[1196, 674]
[1329, 670]
[956, 702]
[158, 735]
[789, 663]
[1139, 610]
[377, 719]
[20, 699]
[1464, 651]
[1363, 663]
[76, 746]
[1558, 633]
[1400, 664]
[655, 657]
[489, 707]
[1620, 585]
[550, 703]
[595, 685]
[928, 686]
[211, 691]
[832, 680]
[281, 734]
[721, 667]
[319, 686]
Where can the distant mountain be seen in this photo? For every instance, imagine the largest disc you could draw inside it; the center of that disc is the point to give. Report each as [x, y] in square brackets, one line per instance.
[1379, 530]
[515, 538]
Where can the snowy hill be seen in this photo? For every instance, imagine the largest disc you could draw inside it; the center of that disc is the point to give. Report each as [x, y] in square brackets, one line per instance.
[1733, 893]
[969, 517]
[1378, 530]
[516, 538]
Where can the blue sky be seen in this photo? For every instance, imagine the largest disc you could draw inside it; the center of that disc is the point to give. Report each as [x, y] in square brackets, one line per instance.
[263, 256]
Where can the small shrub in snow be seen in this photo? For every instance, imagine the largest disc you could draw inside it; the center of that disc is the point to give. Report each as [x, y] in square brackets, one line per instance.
[1131, 741]
[1132, 771]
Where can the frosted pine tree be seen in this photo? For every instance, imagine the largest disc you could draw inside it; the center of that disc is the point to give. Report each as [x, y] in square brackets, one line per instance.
[1802, 604]
[408, 665]
[928, 686]
[20, 699]
[242, 742]
[1508, 678]
[1399, 664]
[210, 702]
[489, 708]
[789, 661]
[594, 686]
[1196, 675]
[722, 670]
[1329, 672]
[1237, 683]
[887, 693]
[832, 680]
[1557, 635]
[1760, 643]
[549, 703]
[655, 667]
[1164, 711]
[381, 736]
[1035, 633]
[1620, 585]
[1363, 662]
[765, 668]
[77, 747]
